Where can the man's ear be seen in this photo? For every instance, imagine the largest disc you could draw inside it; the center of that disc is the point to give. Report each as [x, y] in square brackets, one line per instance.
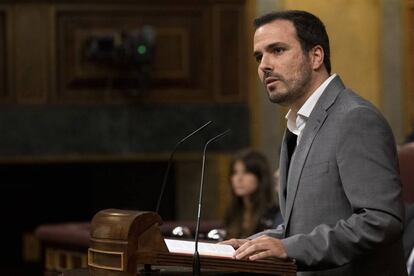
[316, 55]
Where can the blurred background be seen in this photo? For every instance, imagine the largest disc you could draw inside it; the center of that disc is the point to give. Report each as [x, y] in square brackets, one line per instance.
[94, 94]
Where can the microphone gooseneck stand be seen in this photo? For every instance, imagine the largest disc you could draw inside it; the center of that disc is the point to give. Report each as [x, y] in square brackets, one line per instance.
[164, 182]
[196, 256]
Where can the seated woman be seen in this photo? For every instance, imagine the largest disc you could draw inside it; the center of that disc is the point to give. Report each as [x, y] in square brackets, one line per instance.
[254, 205]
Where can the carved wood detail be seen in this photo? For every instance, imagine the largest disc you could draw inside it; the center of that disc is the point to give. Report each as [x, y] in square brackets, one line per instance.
[199, 56]
[230, 59]
[182, 66]
[31, 29]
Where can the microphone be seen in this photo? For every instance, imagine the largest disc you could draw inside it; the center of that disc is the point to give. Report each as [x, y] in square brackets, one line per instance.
[164, 182]
[196, 257]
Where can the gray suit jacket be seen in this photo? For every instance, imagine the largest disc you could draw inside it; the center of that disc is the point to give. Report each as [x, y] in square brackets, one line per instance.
[343, 212]
[408, 236]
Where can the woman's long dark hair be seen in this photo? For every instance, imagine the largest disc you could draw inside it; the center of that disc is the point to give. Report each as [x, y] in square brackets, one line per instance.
[262, 199]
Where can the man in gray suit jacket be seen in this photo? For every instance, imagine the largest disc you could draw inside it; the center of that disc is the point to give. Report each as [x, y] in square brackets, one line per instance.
[340, 193]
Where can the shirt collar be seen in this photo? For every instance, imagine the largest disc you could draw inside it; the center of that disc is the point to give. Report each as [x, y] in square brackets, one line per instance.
[295, 120]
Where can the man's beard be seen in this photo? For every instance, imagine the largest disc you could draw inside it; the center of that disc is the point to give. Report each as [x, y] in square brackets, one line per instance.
[291, 93]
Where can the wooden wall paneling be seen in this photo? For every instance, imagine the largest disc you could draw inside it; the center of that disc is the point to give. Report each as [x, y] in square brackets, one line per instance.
[51, 97]
[75, 80]
[172, 59]
[179, 71]
[4, 89]
[31, 53]
[230, 65]
[10, 50]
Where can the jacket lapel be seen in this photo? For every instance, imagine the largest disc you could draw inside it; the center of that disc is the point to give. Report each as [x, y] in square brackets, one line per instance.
[314, 123]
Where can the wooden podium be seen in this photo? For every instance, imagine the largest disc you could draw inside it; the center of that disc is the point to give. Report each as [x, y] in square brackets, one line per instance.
[121, 240]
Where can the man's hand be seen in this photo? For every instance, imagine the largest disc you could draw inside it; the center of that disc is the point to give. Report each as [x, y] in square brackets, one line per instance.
[236, 243]
[260, 248]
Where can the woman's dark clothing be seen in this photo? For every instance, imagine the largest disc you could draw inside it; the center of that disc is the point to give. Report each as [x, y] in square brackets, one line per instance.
[270, 219]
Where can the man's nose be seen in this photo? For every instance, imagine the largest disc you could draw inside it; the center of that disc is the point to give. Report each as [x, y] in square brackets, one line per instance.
[265, 64]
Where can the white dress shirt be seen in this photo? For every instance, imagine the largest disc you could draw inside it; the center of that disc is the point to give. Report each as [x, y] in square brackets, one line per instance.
[296, 122]
[410, 262]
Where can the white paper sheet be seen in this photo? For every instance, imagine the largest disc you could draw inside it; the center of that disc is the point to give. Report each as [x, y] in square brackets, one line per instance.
[204, 248]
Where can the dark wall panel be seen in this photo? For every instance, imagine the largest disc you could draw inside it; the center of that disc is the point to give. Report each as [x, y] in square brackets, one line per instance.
[119, 131]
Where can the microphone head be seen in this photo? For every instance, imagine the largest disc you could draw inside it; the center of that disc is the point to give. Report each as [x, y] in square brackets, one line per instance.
[182, 232]
[217, 234]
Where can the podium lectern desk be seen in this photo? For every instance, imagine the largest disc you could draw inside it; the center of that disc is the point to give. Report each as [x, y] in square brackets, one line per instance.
[121, 240]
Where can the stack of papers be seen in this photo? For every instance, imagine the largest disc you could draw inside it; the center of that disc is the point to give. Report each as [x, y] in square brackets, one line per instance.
[204, 248]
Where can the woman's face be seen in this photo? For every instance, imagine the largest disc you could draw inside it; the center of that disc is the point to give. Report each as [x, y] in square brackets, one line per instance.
[243, 183]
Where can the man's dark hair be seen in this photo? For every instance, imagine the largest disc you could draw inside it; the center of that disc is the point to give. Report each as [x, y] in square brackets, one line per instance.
[309, 29]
